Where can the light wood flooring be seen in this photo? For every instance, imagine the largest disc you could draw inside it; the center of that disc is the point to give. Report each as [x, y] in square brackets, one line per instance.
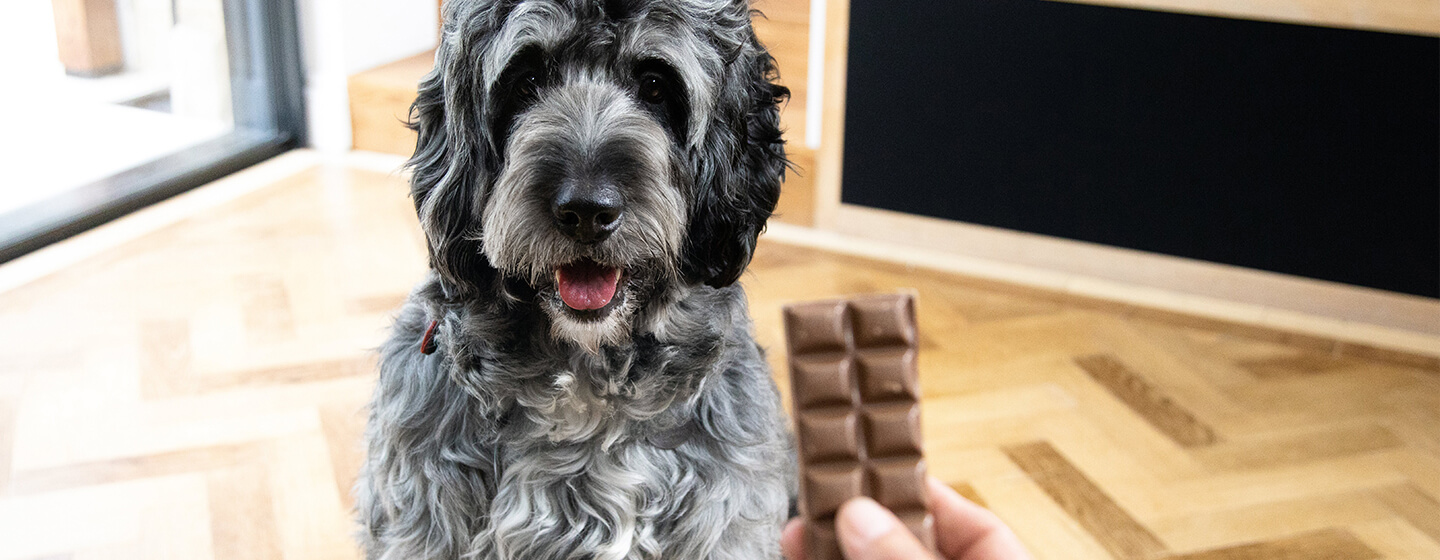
[195, 392]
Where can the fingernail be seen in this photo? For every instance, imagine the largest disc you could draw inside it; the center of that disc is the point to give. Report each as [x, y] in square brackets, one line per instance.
[867, 520]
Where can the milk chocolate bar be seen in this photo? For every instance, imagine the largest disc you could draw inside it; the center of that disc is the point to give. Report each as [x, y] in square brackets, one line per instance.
[857, 413]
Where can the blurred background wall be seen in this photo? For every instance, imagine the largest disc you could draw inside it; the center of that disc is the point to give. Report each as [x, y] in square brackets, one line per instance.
[345, 37]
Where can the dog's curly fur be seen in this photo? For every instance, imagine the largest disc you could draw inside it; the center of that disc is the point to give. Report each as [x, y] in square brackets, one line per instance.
[649, 428]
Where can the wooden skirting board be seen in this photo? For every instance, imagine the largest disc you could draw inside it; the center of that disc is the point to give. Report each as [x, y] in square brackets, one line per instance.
[1403, 16]
[1242, 297]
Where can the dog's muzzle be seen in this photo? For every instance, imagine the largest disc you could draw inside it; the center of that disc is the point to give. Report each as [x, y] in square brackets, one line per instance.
[587, 212]
[586, 198]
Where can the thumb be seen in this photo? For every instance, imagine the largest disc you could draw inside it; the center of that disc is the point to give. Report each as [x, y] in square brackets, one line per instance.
[868, 531]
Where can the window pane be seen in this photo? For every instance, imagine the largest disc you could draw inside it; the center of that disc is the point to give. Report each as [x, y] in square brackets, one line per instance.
[102, 86]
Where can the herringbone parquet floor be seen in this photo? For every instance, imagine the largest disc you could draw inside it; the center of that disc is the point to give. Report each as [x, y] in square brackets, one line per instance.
[195, 392]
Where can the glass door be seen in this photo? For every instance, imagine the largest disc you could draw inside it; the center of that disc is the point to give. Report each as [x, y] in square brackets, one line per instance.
[117, 104]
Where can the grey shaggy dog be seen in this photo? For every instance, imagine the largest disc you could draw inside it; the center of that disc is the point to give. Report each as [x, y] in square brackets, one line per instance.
[577, 378]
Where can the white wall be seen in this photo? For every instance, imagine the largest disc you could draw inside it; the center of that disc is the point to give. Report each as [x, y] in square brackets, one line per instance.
[382, 31]
[343, 37]
[27, 37]
[197, 58]
[145, 34]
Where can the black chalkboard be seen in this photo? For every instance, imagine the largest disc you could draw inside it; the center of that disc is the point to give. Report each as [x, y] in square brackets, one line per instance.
[1297, 149]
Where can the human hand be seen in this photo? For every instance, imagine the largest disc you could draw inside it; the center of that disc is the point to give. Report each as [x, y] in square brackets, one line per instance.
[963, 531]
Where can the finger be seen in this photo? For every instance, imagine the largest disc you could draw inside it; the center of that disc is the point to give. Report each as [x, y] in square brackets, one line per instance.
[965, 531]
[870, 532]
[792, 540]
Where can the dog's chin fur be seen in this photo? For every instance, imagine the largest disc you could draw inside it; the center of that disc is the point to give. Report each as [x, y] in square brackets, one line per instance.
[610, 325]
[591, 329]
[649, 428]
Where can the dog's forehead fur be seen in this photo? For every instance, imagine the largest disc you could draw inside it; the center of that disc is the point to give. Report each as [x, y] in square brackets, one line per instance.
[697, 38]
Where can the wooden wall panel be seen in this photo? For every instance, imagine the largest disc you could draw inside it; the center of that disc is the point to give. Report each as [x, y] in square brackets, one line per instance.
[380, 104]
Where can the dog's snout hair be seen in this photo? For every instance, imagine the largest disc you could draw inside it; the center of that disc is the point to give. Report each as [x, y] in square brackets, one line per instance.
[590, 177]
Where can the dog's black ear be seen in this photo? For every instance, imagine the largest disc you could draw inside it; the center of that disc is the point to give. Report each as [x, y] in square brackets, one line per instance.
[742, 163]
[448, 171]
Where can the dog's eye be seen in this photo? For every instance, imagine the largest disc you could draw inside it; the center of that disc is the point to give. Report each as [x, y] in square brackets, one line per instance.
[652, 88]
[527, 85]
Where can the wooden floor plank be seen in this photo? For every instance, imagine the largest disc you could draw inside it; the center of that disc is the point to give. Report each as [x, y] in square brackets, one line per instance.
[1147, 401]
[7, 441]
[1331, 544]
[1394, 538]
[343, 424]
[320, 370]
[1298, 446]
[1120, 533]
[242, 515]
[968, 491]
[1418, 508]
[1202, 529]
[165, 357]
[198, 459]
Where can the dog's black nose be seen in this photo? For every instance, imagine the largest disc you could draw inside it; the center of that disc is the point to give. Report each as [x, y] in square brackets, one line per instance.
[587, 213]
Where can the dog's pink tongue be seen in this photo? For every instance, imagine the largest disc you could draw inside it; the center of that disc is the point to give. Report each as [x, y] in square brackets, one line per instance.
[586, 285]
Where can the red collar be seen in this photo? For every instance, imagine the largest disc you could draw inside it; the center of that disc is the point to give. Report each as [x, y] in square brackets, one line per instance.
[427, 344]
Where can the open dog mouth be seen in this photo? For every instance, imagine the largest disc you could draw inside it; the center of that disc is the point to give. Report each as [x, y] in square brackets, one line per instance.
[586, 285]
